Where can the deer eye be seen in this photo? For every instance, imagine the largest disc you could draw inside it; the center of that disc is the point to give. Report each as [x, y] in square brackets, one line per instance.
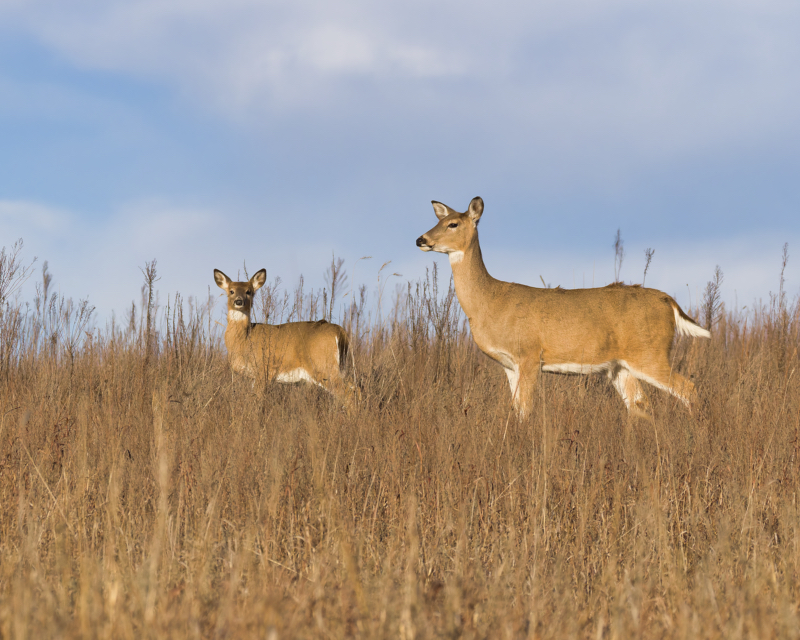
[452, 225]
[231, 291]
[249, 293]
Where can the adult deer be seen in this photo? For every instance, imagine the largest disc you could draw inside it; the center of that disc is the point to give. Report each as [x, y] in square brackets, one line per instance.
[294, 352]
[625, 331]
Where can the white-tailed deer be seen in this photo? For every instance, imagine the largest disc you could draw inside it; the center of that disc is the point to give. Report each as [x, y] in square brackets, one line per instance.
[294, 352]
[625, 331]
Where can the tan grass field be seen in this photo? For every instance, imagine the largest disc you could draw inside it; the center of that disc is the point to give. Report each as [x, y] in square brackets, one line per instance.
[146, 492]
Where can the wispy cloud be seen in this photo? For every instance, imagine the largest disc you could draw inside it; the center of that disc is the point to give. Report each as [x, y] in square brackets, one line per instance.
[560, 95]
[20, 216]
[709, 65]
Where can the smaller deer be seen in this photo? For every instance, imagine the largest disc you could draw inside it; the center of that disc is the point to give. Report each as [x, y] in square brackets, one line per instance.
[288, 353]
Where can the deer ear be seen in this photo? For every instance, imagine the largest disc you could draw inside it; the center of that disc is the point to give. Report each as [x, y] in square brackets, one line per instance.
[258, 279]
[475, 209]
[223, 281]
[441, 210]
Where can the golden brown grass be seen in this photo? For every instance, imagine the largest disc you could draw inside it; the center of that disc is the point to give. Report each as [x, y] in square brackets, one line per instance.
[147, 492]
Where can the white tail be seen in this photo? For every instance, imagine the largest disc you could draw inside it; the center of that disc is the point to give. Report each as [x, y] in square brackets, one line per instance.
[294, 352]
[623, 331]
[685, 326]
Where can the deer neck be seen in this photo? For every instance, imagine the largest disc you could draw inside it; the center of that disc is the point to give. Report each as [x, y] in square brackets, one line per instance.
[471, 279]
[238, 324]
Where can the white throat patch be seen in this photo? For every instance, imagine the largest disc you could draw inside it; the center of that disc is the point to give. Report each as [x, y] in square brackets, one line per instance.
[237, 316]
[455, 257]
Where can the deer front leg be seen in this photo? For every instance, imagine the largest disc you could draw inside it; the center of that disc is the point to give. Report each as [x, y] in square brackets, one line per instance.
[522, 383]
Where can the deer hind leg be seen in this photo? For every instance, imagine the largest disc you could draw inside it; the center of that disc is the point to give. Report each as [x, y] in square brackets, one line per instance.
[631, 392]
[665, 378]
[345, 393]
[333, 381]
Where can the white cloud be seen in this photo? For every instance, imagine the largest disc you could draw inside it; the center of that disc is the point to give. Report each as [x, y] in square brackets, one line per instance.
[576, 91]
[260, 51]
[623, 52]
[20, 217]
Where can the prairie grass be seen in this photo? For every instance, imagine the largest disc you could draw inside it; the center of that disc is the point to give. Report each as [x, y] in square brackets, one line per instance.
[145, 491]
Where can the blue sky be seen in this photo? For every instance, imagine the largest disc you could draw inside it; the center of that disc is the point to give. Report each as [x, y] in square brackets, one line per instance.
[206, 133]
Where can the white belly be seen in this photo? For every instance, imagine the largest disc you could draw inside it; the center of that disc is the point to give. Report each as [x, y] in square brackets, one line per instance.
[572, 367]
[294, 376]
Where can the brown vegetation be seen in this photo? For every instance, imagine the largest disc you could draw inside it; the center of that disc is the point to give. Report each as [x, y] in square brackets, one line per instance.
[145, 491]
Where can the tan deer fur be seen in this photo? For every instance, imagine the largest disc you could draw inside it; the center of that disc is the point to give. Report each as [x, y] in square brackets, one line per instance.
[314, 352]
[624, 331]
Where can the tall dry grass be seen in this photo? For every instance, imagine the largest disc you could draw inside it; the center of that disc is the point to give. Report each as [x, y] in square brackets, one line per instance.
[145, 491]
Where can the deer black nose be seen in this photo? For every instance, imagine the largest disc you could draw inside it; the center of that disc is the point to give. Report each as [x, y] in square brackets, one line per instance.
[238, 302]
[420, 241]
